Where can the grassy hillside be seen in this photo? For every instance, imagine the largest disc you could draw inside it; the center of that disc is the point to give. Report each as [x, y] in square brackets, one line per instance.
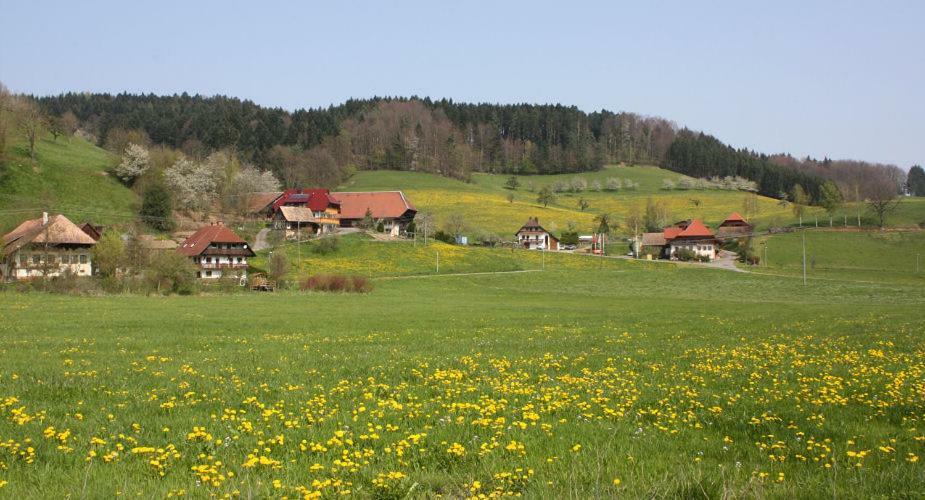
[69, 176]
[888, 256]
[483, 202]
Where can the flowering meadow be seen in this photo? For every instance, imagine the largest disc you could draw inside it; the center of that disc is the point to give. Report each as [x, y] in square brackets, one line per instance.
[622, 382]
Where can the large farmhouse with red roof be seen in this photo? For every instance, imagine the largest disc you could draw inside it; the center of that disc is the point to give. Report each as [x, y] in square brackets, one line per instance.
[312, 211]
[691, 236]
[391, 208]
[217, 251]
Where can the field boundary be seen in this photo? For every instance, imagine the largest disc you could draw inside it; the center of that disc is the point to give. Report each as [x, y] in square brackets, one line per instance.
[458, 274]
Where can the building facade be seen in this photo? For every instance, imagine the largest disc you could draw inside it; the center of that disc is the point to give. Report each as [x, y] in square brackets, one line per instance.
[390, 208]
[217, 252]
[533, 236]
[45, 248]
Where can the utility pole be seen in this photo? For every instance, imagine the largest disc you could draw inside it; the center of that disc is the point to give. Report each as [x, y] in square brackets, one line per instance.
[298, 238]
[804, 257]
[857, 202]
[438, 261]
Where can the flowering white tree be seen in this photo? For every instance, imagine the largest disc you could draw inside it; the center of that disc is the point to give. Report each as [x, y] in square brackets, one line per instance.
[193, 184]
[251, 180]
[135, 162]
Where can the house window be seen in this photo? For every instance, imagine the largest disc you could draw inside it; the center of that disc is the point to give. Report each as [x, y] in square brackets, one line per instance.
[36, 259]
[66, 259]
[83, 258]
[23, 259]
[208, 274]
[239, 260]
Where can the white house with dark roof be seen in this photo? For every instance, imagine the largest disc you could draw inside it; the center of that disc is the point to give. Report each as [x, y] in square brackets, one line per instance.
[533, 236]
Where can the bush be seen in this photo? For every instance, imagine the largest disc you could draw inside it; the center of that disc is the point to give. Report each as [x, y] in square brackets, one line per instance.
[336, 283]
[685, 255]
[325, 246]
[568, 238]
[445, 237]
[170, 272]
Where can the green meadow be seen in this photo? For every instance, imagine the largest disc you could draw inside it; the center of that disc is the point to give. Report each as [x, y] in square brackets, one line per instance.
[878, 256]
[69, 176]
[627, 379]
[484, 202]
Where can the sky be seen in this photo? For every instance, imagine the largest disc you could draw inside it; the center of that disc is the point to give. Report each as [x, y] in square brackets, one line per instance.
[842, 79]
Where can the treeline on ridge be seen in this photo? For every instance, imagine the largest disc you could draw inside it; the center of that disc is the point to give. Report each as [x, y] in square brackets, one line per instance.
[323, 146]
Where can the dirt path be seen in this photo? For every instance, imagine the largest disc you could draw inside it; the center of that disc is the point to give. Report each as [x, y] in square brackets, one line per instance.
[260, 241]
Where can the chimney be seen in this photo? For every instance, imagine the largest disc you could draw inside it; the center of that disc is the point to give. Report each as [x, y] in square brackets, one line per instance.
[44, 218]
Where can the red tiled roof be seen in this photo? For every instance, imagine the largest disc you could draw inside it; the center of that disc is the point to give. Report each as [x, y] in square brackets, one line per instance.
[205, 236]
[734, 217]
[317, 199]
[696, 229]
[382, 204]
[672, 232]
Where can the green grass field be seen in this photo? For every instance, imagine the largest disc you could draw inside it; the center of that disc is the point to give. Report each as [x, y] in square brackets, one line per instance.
[888, 256]
[357, 254]
[69, 176]
[632, 380]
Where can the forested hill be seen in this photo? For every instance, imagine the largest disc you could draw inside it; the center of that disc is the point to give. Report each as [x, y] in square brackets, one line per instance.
[322, 146]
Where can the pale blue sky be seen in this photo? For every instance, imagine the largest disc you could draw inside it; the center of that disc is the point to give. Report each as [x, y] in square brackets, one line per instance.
[843, 79]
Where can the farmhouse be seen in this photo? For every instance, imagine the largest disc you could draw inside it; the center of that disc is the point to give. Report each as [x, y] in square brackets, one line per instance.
[532, 236]
[696, 238]
[391, 208]
[690, 235]
[261, 204]
[46, 247]
[300, 221]
[217, 251]
[735, 226]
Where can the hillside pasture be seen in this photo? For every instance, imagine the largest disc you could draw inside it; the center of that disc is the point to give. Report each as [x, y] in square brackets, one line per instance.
[69, 176]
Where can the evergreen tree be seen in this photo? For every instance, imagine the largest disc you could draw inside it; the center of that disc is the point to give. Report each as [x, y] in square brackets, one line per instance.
[915, 182]
[157, 207]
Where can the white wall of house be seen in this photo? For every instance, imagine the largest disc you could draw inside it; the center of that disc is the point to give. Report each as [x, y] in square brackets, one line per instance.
[534, 241]
[27, 264]
[213, 266]
[700, 249]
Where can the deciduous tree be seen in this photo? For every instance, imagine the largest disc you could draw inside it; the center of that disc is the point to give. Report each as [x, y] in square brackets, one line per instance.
[545, 196]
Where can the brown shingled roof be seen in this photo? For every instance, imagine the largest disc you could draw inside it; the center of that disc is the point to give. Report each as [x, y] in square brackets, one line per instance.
[59, 231]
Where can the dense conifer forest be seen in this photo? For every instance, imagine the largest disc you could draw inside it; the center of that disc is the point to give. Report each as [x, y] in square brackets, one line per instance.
[324, 145]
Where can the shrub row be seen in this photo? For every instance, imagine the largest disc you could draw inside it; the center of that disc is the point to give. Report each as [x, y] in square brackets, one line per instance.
[337, 283]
